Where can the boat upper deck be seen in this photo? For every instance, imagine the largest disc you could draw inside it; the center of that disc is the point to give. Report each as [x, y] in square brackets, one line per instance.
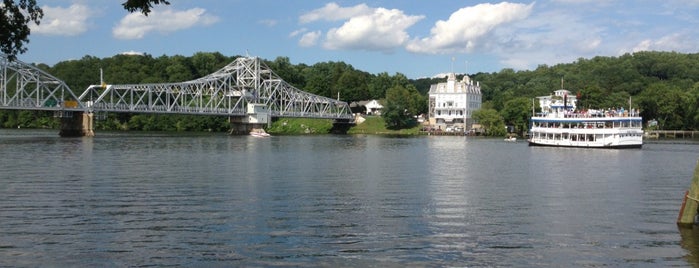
[591, 115]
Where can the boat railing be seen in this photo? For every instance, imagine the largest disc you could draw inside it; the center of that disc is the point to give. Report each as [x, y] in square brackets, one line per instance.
[591, 114]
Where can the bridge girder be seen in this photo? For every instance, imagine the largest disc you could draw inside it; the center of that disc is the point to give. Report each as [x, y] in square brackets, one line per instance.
[26, 87]
[226, 92]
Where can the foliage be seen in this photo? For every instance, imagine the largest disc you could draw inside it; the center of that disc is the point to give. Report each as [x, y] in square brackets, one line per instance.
[516, 113]
[142, 5]
[15, 15]
[377, 125]
[663, 85]
[397, 109]
[297, 126]
[660, 84]
[14, 31]
[491, 121]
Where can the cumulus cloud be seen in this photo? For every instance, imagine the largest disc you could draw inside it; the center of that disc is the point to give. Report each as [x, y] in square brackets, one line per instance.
[383, 29]
[136, 25]
[70, 21]
[680, 42]
[309, 39]
[468, 28]
[334, 12]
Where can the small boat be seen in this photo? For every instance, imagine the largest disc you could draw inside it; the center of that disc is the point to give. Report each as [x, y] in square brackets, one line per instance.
[559, 124]
[260, 133]
[511, 139]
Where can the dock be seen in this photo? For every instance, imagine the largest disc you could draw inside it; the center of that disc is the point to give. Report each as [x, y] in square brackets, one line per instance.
[672, 134]
[444, 133]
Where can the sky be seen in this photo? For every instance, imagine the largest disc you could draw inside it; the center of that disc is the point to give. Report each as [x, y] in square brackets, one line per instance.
[414, 38]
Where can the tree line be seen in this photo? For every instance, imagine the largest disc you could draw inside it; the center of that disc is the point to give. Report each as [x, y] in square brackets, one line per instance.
[664, 86]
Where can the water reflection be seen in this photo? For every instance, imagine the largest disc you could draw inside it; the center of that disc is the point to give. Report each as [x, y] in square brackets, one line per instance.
[690, 242]
[123, 200]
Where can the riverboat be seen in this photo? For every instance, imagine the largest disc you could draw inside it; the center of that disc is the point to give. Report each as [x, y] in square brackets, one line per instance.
[559, 124]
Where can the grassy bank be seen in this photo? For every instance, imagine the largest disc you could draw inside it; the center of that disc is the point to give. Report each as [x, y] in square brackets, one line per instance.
[304, 126]
[376, 125]
[300, 126]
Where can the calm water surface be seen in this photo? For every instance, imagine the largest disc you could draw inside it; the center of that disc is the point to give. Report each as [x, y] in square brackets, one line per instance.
[135, 199]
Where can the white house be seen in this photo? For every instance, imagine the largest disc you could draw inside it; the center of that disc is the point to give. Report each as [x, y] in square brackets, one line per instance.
[451, 104]
[371, 107]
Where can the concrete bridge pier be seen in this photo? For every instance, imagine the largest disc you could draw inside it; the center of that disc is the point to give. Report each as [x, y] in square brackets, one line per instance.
[257, 117]
[80, 124]
[341, 126]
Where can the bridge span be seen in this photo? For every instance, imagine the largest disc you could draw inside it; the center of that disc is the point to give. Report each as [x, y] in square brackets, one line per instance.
[246, 90]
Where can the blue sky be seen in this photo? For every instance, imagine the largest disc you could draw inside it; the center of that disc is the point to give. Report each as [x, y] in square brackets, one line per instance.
[415, 38]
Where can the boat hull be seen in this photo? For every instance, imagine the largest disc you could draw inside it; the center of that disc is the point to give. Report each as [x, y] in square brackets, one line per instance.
[611, 146]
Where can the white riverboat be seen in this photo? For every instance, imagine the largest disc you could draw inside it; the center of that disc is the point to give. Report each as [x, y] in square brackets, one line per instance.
[560, 124]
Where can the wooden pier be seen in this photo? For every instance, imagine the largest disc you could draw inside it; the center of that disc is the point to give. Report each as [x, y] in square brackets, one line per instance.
[672, 134]
[690, 204]
[444, 133]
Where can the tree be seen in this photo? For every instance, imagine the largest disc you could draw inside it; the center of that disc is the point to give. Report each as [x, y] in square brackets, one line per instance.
[396, 109]
[491, 121]
[517, 112]
[14, 31]
[15, 15]
[142, 5]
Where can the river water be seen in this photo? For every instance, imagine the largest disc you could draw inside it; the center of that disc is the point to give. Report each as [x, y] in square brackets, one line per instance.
[144, 199]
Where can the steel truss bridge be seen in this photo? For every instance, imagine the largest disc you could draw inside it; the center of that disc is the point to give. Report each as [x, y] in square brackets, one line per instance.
[227, 92]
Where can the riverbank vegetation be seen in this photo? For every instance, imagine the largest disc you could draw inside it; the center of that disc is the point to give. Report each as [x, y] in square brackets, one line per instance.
[664, 86]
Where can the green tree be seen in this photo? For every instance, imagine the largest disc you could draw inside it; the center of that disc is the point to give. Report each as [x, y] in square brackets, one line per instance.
[15, 15]
[14, 31]
[378, 85]
[517, 112]
[491, 121]
[396, 109]
[142, 5]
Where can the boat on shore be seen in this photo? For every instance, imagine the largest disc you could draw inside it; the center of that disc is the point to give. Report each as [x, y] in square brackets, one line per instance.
[259, 133]
[559, 124]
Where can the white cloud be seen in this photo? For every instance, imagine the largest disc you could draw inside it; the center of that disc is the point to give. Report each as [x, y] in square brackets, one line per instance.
[268, 22]
[297, 32]
[333, 12]
[680, 42]
[469, 27]
[383, 30]
[132, 53]
[309, 39]
[70, 21]
[136, 25]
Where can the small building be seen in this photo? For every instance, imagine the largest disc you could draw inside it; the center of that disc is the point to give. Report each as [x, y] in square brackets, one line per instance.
[451, 104]
[368, 107]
